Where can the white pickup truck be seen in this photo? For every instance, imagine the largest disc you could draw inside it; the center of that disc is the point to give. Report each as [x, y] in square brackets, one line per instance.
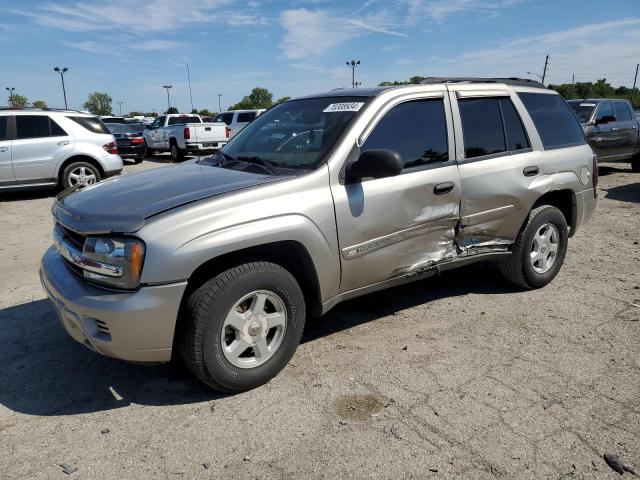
[181, 133]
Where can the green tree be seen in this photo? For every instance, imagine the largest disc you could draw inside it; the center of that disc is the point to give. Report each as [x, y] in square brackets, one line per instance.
[99, 103]
[172, 110]
[194, 111]
[136, 114]
[599, 89]
[39, 104]
[258, 98]
[206, 113]
[282, 100]
[18, 100]
[151, 114]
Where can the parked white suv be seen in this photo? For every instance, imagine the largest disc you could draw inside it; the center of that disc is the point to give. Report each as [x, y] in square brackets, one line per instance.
[41, 148]
[236, 120]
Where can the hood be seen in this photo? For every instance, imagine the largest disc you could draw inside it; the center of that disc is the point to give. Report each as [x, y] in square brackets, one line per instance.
[122, 204]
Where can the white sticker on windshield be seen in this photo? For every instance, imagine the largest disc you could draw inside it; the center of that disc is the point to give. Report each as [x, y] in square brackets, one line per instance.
[344, 107]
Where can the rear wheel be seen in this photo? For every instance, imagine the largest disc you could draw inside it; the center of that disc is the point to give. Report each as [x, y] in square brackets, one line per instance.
[138, 159]
[539, 249]
[80, 174]
[242, 326]
[176, 152]
[635, 164]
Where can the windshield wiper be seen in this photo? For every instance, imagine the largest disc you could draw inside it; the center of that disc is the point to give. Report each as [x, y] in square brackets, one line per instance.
[266, 164]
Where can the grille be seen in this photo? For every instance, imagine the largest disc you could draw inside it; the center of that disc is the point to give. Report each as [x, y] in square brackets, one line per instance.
[102, 327]
[77, 239]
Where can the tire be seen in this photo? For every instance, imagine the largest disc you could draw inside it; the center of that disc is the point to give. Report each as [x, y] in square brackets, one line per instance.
[176, 152]
[520, 268]
[137, 160]
[206, 338]
[148, 152]
[82, 174]
[635, 164]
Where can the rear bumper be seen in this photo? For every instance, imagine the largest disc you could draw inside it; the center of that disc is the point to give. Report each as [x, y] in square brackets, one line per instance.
[129, 151]
[203, 147]
[134, 326]
[111, 164]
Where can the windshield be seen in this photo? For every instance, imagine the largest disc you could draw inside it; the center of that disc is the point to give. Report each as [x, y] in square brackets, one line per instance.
[183, 119]
[583, 110]
[291, 138]
[119, 128]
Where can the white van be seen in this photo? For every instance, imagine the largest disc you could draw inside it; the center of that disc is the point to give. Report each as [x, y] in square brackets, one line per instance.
[236, 120]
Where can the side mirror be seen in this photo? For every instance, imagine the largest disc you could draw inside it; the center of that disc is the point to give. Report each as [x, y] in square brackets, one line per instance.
[605, 119]
[375, 164]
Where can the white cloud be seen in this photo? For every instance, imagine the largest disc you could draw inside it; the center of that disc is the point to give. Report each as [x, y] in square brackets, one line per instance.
[439, 10]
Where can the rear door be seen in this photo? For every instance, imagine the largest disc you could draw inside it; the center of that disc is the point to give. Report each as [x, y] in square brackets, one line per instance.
[6, 169]
[627, 128]
[605, 137]
[493, 151]
[394, 226]
[38, 145]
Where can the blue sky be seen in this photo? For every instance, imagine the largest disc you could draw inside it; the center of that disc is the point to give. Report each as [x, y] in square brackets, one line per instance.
[129, 49]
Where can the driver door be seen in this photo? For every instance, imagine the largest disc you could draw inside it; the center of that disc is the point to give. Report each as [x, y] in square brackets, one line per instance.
[390, 227]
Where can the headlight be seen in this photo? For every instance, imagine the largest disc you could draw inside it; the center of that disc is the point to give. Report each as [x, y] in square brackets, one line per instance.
[125, 253]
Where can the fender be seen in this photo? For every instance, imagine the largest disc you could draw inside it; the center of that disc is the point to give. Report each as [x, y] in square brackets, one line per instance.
[187, 257]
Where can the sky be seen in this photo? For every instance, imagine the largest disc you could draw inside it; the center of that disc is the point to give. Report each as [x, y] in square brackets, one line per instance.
[130, 49]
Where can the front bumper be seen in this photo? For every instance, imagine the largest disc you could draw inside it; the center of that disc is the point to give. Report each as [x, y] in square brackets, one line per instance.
[136, 326]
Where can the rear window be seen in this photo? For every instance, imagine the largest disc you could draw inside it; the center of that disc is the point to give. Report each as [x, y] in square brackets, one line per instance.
[555, 121]
[622, 111]
[93, 124]
[113, 120]
[4, 133]
[119, 128]
[246, 117]
[37, 126]
[225, 117]
[184, 119]
[583, 110]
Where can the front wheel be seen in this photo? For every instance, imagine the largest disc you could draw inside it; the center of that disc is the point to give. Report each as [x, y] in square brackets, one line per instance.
[635, 164]
[242, 327]
[539, 249]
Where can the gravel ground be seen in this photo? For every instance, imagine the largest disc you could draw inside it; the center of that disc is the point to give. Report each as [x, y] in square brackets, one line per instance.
[459, 376]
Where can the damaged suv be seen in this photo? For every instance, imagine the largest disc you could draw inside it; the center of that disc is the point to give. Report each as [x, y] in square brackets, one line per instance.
[320, 199]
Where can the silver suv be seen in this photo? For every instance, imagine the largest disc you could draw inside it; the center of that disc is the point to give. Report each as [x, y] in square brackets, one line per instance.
[320, 199]
[41, 148]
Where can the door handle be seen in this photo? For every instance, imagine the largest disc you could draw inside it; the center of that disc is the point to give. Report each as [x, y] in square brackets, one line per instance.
[442, 188]
[64, 142]
[530, 171]
[4, 149]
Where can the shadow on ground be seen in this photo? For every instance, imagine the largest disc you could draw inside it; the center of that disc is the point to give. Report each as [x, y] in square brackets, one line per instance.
[44, 372]
[625, 193]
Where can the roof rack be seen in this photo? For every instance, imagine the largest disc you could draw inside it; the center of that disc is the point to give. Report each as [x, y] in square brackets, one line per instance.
[520, 82]
[41, 109]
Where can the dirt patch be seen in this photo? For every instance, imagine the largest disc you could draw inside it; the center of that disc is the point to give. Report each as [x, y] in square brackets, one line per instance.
[356, 407]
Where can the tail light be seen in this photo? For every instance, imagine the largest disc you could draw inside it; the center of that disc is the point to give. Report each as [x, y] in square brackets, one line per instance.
[594, 175]
[137, 140]
[111, 147]
[186, 133]
[227, 132]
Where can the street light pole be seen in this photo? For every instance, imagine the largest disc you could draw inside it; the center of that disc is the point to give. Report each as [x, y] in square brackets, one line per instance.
[167, 87]
[120, 106]
[11, 90]
[219, 103]
[62, 71]
[353, 64]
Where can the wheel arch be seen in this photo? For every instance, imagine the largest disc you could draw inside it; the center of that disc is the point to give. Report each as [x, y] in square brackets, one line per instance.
[565, 201]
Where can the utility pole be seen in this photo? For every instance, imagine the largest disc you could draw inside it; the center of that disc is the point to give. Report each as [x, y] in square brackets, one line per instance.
[11, 90]
[573, 83]
[353, 64]
[120, 106]
[544, 72]
[219, 103]
[189, 79]
[62, 71]
[167, 87]
[635, 79]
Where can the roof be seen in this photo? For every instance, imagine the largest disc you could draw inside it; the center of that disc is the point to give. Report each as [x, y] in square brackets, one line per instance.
[348, 92]
[595, 100]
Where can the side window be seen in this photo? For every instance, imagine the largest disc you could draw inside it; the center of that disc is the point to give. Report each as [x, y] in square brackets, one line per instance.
[32, 126]
[555, 121]
[157, 122]
[516, 136]
[417, 130]
[623, 114]
[604, 110]
[245, 117]
[227, 118]
[56, 130]
[481, 127]
[4, 128]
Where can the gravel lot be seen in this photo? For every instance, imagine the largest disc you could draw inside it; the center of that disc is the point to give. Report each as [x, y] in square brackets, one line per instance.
[453, 377]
